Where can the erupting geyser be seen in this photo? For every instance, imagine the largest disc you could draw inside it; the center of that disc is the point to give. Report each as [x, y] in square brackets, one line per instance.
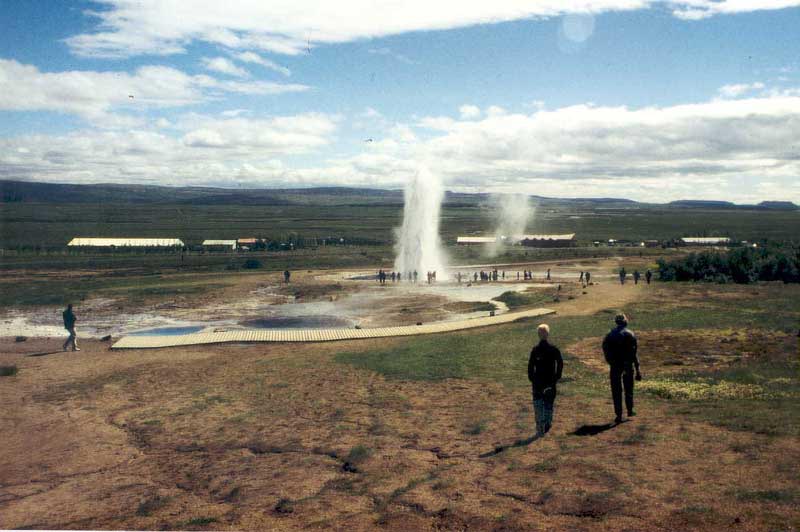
[418, 244]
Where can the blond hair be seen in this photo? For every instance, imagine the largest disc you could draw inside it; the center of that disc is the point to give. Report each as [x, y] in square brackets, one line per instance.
[544, 330]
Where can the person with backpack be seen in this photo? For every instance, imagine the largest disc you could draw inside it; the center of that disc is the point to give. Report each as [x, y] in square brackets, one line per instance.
[544, 371]
[620, 349]
[69, 325]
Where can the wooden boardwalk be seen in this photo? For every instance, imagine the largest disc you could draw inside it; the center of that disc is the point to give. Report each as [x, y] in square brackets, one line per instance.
[318, 335]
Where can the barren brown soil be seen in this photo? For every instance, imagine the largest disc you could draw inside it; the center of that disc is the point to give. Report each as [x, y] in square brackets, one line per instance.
[278, 436]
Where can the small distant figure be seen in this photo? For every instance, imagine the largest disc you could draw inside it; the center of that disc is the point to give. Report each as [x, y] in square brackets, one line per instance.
[648, 276]
[415, 276]
[475, 277]
[636, 276]
[544, 371]
[69, 325]
[286, 276]
[504, 275]
[588, 277]
[394, 277]
[581, 279]
[620, 349]
[517, 276]
[458, 276]
[494, 275]
[548, 274]
[399, 276]
[622, 275]
[381, 276]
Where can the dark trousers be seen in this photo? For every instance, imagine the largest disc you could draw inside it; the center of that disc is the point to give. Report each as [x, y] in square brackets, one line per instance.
[621, 376]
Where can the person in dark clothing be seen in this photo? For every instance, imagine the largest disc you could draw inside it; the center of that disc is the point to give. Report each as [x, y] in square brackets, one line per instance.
[588, 277]
[544, 371]
[69, 324]
[286, 276]
[622, 275]
[636, 276]
[648, 276]
[620, 349]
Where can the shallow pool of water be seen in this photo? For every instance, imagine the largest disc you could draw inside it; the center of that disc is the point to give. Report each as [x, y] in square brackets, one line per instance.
[167, 331]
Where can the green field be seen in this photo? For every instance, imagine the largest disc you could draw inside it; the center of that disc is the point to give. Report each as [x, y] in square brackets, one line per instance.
[52, 225]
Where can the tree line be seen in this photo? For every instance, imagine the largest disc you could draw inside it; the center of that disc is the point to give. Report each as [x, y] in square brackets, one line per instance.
[770, 262]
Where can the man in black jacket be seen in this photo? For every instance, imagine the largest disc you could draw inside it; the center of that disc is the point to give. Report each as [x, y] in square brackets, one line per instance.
[544, 370]
[620, 350]
[69, 325]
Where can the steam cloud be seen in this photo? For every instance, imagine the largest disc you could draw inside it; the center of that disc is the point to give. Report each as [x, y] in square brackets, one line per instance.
[512, 214]
[419, 247]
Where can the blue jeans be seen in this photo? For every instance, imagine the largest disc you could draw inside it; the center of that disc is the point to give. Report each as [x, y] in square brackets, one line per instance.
[543, 413]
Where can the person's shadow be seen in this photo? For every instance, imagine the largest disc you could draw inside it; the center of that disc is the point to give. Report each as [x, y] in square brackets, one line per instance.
[500, 448]
[594, 430]
[45, 353]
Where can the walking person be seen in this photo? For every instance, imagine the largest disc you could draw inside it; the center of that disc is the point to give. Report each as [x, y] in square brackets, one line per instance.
[69, 325]
[648, 275]
[544, 371]
[636, 276]
[620, 350]
[286, 276]
[581, 279]
[622, 275]
[588, 276]
[548, 274]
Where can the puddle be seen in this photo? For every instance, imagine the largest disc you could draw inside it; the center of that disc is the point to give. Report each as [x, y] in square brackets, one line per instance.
[167, 331]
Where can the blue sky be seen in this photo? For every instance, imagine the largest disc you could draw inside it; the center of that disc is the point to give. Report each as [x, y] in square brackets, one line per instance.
[648, 100]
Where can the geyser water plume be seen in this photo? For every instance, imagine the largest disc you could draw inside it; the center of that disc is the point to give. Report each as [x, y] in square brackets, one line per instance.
[419, 246]
[512, 214]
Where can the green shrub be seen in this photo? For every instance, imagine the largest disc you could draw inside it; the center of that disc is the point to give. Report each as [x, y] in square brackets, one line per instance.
[8, 371]
[771, 262]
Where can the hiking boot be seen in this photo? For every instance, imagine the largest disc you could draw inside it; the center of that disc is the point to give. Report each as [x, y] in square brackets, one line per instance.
[631, 413]
[618, 420]
[77, 349]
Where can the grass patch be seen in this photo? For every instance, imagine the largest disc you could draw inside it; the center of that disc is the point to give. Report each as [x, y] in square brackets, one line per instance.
[358, 454]
[8, 371]
[151, 505]
[778, 496]
[200, 521]
[469, 306]
[476, 427]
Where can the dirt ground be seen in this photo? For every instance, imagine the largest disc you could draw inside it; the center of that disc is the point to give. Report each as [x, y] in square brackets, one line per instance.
[280, 436]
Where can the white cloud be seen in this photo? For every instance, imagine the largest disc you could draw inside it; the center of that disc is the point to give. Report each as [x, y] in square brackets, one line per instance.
[738, 89]
[206, 151]
[468, 112]
[700, 9]
[224, 66]
[163, 27]
[721, 149]
[252, 57]
[96, 95]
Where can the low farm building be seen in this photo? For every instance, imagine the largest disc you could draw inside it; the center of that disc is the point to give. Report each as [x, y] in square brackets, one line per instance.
[548, 241]
[705, 241]
[220, 245]
[247, 242]
[126, 242]
[475, 240]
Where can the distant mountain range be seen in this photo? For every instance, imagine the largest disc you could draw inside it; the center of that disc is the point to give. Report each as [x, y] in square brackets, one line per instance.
[35, 192]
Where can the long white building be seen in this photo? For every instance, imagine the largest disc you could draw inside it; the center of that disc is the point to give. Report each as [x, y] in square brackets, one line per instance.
[125, 242]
